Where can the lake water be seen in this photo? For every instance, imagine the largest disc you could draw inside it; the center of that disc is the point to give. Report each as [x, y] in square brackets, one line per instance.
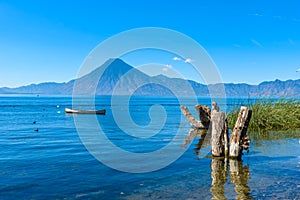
[43, 157]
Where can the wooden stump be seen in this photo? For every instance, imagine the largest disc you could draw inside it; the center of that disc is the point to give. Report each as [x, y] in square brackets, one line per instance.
[218, 135]
[238, 138]
[193, 121]
[204, 114]
[219, 132]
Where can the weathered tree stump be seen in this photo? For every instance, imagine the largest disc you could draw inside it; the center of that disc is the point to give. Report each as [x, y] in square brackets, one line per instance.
[193, 121]
[218, 135]
[218, 131]
[238, 138]
[204, 114]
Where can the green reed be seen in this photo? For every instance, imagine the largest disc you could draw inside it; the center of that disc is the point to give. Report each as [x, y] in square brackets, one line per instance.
[267, 115]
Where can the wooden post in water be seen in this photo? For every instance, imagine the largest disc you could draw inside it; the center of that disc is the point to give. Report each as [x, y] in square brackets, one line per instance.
[219, 133]
[193, 121]
[219, 129]
[238, 138]
[204, 114]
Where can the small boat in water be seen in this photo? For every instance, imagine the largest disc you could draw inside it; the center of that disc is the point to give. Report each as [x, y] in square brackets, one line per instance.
[72, 111]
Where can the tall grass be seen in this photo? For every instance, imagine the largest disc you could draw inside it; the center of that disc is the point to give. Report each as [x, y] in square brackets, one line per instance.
[267, 115]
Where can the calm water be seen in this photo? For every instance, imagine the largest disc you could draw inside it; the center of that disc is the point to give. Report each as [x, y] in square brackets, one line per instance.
[52, 163]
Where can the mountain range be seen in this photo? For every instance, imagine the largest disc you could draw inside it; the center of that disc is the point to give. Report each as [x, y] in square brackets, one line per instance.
[136, 82]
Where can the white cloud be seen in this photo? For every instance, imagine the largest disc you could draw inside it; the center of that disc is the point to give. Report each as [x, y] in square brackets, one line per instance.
[176, 59]
[298, 70]
[256, 14]
[188, 60]
[166, 68]
[256, 43]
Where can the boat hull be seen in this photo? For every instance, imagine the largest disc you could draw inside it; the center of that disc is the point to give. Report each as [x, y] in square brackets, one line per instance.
[73, 111]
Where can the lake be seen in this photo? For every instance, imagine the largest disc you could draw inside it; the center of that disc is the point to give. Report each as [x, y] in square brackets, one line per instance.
[44, 154]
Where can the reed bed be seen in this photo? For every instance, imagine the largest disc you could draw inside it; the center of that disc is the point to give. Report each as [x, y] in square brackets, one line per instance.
[268, 115]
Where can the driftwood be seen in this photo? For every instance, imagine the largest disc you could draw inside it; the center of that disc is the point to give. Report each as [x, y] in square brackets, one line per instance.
[216, 124]
[238, 138]
[193, 121]
[204, 114]
[219, 135]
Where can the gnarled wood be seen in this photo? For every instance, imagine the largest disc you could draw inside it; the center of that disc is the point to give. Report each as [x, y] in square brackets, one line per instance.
[204, 114]
[219, 130]
[238, 138]
[193, 121]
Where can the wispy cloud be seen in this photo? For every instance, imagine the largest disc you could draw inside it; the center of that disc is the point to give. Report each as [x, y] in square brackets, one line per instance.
[291, 41]
[256, 43]
[256, 14]
[298, 70]
[296, 20]
[188, 60]
[167, 67]
[237, 45]
[176, 59]
[278, 17]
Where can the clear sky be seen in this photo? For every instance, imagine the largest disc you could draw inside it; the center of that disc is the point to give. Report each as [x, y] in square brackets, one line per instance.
[47, 40]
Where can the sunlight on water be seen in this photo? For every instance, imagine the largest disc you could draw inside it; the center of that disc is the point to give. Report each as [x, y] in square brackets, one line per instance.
[52, 163]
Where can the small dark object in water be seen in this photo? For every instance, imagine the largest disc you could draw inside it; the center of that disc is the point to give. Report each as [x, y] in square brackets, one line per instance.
[34, 122]
[99, 112]
[36, 130]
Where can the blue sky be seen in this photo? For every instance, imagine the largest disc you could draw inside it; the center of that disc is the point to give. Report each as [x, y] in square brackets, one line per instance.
[250, 41]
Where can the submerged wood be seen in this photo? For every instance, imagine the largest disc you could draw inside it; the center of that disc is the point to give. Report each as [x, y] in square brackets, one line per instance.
[238, 138]
[193, 121]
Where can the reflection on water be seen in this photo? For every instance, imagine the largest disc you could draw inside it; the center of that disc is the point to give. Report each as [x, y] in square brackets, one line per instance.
[239, 176]
[219, 178]
[203, 142]
[222, 169]
[275, 135]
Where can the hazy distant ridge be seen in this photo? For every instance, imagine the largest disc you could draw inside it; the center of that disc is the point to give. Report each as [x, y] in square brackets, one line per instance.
[116, 68]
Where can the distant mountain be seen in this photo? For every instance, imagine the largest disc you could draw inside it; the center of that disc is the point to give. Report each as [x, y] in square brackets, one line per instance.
[115, 69]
